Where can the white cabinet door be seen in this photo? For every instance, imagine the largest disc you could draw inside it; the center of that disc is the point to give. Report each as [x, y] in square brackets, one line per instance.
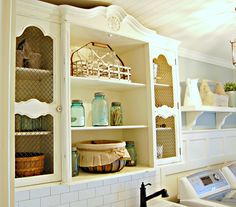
[166, 106]
[37, 102]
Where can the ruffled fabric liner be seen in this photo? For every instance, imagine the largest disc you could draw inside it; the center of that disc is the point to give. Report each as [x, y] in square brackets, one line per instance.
[91, 158]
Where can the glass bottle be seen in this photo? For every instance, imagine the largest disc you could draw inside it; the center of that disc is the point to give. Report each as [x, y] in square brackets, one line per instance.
[75, 162]
[132, 152]
[116, 114]
[99, 110]
[77, 114]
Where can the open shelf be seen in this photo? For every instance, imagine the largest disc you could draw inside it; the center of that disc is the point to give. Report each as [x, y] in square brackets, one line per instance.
[116, 85]
[84, 176]
[108, 127]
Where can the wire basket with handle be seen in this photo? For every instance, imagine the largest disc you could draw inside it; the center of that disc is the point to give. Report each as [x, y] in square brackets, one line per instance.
[98, 60]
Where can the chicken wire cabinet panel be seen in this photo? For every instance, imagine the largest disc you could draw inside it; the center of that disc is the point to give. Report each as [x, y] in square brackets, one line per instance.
[37, 101]
[166, 107]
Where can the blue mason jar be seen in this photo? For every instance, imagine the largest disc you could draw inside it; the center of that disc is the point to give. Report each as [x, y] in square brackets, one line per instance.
[75, 162]
[77, 114]
[99, 110]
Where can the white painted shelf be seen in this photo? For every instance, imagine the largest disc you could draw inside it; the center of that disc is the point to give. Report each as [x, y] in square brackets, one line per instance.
[131, 170]
[193, 113]
[108, 127]
[33, 133]
[116, 85]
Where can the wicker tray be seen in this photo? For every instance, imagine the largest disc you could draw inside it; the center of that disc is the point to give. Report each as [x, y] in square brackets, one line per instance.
[98, 60]
[29, 164]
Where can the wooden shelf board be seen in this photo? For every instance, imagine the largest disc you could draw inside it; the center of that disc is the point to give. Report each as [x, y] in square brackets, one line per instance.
[85, 177]
[207, 109]
[34, 133]
[117, 85]
[108, 127]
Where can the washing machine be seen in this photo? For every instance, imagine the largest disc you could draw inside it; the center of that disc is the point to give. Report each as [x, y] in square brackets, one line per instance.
[229, 172]
[207, 188]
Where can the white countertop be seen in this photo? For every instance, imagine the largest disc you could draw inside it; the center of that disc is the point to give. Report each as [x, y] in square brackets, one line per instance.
[162, 203]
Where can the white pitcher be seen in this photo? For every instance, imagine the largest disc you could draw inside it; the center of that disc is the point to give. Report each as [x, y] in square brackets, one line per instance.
[192, 96]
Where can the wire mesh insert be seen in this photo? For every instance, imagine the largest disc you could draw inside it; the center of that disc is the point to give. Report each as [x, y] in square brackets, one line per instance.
[35, 136]
[34, 66]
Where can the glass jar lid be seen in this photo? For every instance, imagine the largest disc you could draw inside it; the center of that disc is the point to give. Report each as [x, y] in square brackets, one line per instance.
[116, 104]
[74, 149]
[77, 101]
[99, 94]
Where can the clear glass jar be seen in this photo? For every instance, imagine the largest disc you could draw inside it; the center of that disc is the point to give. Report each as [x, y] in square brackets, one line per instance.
[116, 118]
[77, 114]
[75, 162]
[132, 152]
[99, 110]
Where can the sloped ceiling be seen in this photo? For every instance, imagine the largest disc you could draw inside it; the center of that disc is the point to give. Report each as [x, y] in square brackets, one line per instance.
[204, 26]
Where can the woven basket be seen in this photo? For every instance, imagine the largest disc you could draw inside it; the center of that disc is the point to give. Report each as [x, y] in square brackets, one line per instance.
[29, 164]
[97, 151]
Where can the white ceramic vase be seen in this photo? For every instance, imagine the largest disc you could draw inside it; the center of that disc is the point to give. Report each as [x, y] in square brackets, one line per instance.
[232, 98]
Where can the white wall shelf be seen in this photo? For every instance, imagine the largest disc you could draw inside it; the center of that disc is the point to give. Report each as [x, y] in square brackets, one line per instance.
[193, 113]
[164, 129]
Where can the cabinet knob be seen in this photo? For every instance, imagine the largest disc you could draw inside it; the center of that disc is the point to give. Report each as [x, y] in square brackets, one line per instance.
[59, 108]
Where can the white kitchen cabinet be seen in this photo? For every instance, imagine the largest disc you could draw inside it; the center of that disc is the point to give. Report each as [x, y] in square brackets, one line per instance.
[37, 99]
[42, 92]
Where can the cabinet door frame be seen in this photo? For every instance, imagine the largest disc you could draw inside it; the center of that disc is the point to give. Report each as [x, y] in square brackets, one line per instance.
[53, 31]
[172, 60]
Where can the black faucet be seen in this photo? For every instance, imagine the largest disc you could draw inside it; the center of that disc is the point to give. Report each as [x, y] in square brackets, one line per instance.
[144, 198]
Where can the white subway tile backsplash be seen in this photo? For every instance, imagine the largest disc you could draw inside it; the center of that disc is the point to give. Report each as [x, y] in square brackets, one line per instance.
[113, 192]
[51, 201]
[79, 204]
[30, 203]
[94, 202]
[22, 195]
[110, 198]
[132, 202]
[77, 187]
[69, 197]
[124, 179]
[85, 194]
[59, 189]
[118, 204]
[128, 194]
[64, 205]
[131, 184]
[117, 187]
[95, 184]
[41, 192]
[104, 190]
[110, 181]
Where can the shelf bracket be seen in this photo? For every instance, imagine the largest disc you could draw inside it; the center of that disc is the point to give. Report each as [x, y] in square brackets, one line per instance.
[221, 118]
[191, 118]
